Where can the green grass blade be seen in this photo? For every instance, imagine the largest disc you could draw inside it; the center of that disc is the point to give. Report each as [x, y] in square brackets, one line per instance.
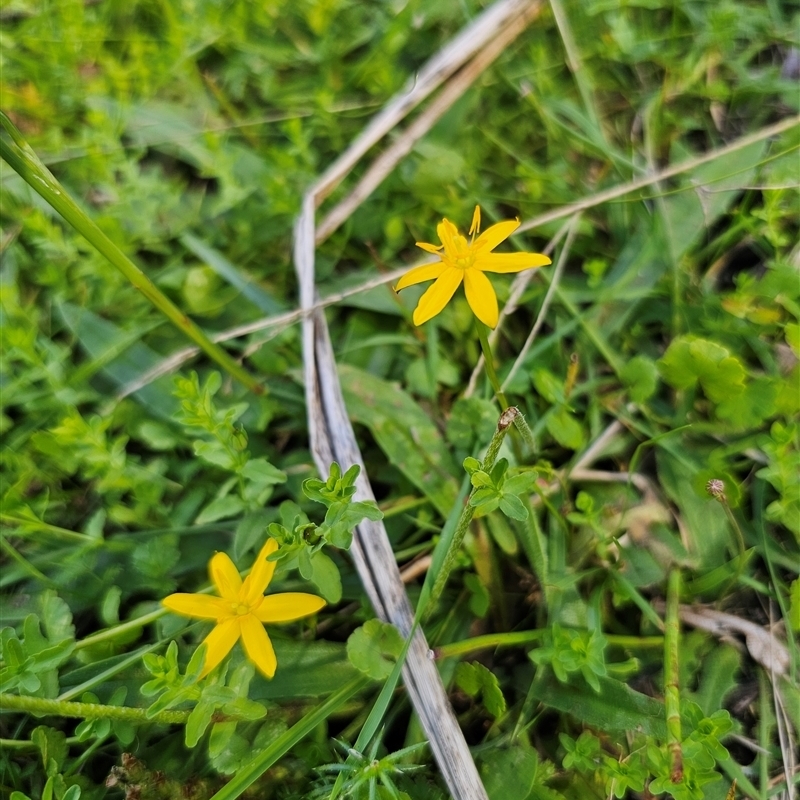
[21, 158]
[253, 770]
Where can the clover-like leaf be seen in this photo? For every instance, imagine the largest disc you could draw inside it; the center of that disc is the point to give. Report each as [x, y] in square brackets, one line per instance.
[374, 648]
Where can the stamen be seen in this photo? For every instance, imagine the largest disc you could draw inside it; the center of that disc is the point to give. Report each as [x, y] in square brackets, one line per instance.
[476, 222]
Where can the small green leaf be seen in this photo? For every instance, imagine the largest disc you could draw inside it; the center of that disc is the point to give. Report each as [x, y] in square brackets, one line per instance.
[640, 376]
[52, 744]
[199, 720]
[565, 429]
[512, 507]
[221, 508]
[260, 471]
[326, 577]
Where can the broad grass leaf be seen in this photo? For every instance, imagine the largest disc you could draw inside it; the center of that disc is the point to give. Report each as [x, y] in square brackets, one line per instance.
[688, 214]
[258, 296]
[719, 677]
[616, 707]
[404, 432]
[120, 355]
[305, 669]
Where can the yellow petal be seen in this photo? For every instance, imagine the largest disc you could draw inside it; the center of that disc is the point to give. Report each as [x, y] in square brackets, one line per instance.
[429, 248]
[510, 262]
[260, 575]
[225, 576]
[200, 606]
[492, 237]
[425, 273]
[219, 643]
[288, 606]
[476, 221]
[438, 295]
[447, 235]
[481, 297]
[257, 645]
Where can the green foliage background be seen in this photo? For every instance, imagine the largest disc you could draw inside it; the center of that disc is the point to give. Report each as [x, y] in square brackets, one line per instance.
[188, 131]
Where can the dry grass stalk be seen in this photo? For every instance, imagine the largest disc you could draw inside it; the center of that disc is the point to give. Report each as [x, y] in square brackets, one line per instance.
[331, 434]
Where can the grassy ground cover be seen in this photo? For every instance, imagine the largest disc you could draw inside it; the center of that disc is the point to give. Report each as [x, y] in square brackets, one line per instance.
[621, 619]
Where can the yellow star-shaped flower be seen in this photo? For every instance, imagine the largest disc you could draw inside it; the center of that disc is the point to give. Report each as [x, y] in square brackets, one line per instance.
[467, 261]
[241, 609]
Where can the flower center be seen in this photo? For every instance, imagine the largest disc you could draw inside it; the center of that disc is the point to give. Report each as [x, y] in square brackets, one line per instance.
[460, 254]
[240, 609]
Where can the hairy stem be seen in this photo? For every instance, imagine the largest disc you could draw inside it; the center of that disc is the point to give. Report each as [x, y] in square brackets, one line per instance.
[66, 708]
[672, 701]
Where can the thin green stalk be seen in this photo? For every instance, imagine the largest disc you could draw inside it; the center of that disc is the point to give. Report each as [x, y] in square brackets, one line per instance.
[515, 638]
[489, 362]
[490, 640]
[28, 527]
[66, 708]
[112, 633]
[27, 744]
[506, 419]
[22, 159]
[96, 680]
[672, 700]
[23, 562]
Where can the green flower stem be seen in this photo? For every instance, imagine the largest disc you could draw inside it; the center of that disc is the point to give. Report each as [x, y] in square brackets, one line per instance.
[489, 362]
[739, 538]
[66, 708]
[519, 421]
[27, 744]
[110, 634]
[672, 700]
[23, 562]
[514, 638]
[504, 423]
[22, 159]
